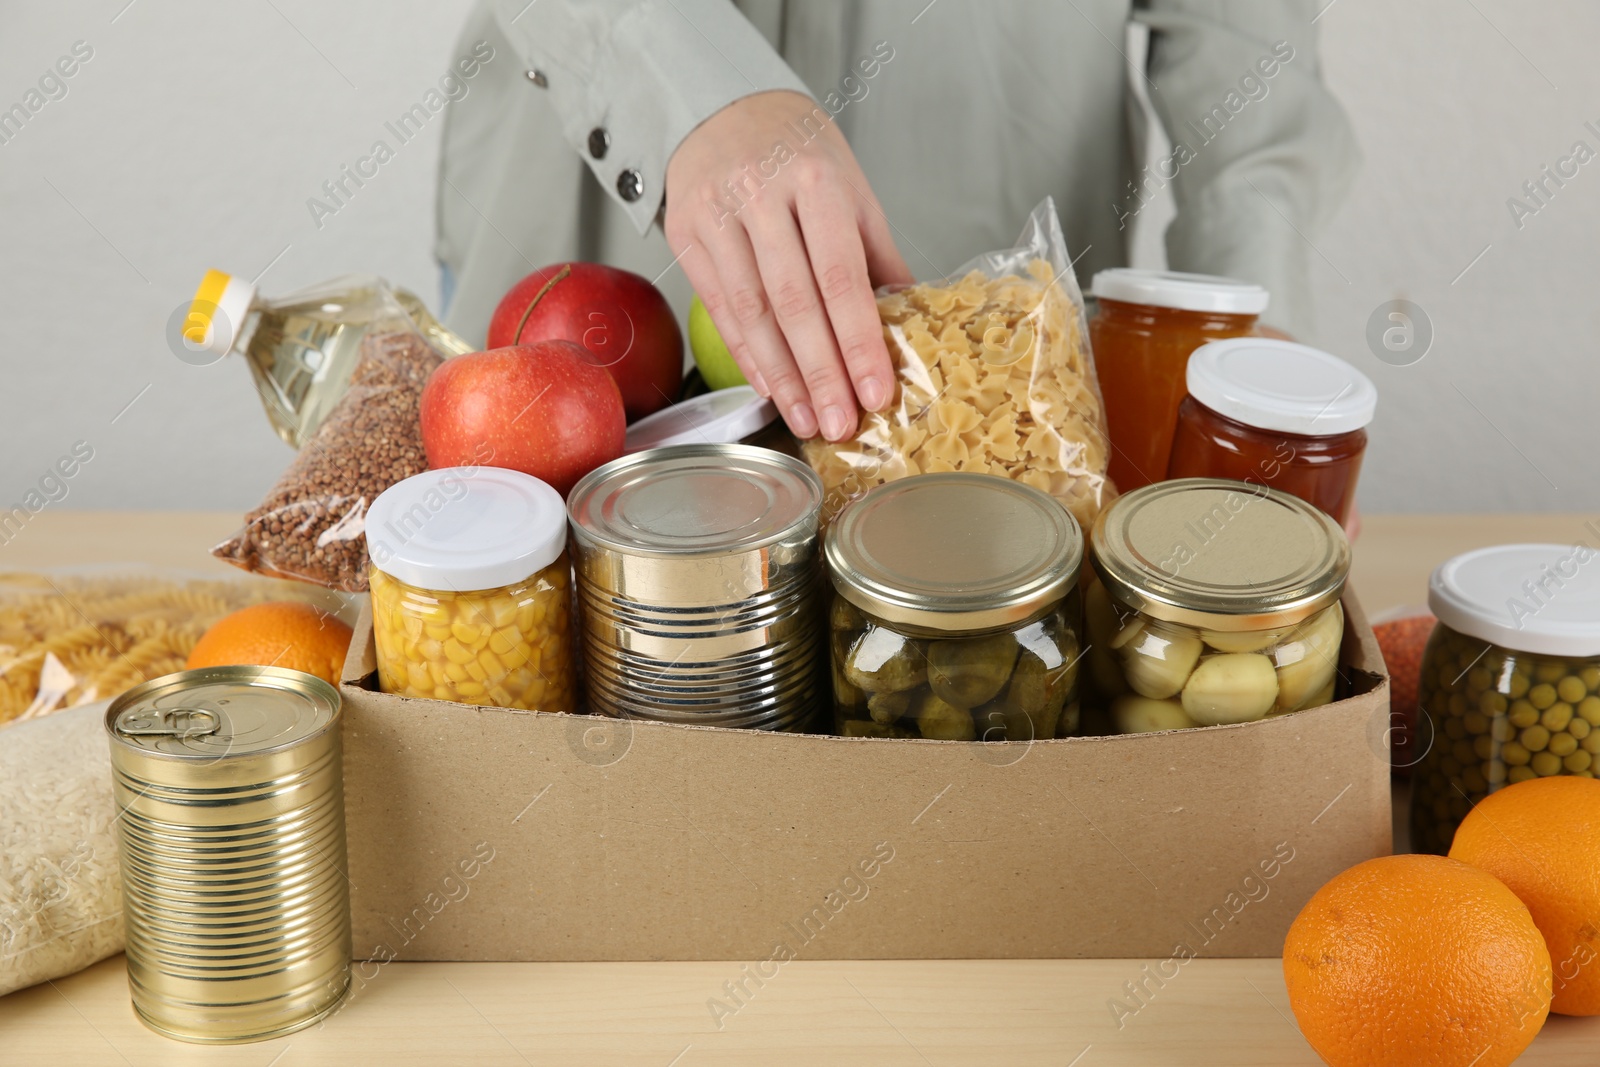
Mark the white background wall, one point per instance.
(196, 132)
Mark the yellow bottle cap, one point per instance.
(217, 311)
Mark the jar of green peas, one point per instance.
(1510, 686)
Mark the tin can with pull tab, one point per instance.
(230, 822)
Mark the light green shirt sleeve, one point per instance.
(1269, 156)
(630, 79)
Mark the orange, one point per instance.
(280, 633)
(1542, 839)
(1417, 960)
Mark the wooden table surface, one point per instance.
(1023, 1012)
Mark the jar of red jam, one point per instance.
(1146, 324)
(1275, 413)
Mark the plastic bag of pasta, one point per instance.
(993, 375)
(70, 637)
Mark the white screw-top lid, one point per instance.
(724, 417)
(1279, 385)
(466, 528)
(1543, 599)
(1181, 291)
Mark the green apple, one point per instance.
(710, 352)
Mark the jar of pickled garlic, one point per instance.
(1510, 686)
(956, 611)
(1146, 324)
(471, 589)
(1275, 413)
(1216, 603)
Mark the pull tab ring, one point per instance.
(181, 723)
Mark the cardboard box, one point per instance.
(485, 834)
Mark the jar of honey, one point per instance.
(1278, 414)
(1146, 325)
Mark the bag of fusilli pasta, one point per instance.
(993, 375)
(74, 637)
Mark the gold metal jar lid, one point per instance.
(953, 552)
(1221, 554)
(215, 713)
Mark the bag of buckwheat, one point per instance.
(311, 526)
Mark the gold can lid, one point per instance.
(695, 500)
(1221, 554)
(218, 712)
(954, 551)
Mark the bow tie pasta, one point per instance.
(992, 376)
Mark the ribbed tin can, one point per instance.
(230, 820)
(699, 587)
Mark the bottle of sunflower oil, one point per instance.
(302, 348)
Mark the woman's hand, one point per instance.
(783, 240)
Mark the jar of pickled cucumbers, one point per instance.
(1217, 602)
(1510, 686)
(471, 589)
(956, 612)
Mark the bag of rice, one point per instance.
(60, 887)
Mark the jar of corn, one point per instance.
(471, 589)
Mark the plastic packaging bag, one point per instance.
(60, 885)
(993, 375)
(312, 525)
(72, 637)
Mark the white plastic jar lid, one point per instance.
(1543, 599)
(723, 417)
(1279, 385)
(1181, 291)
(460, 529)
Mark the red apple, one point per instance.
(621, 318)
(544, 409)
